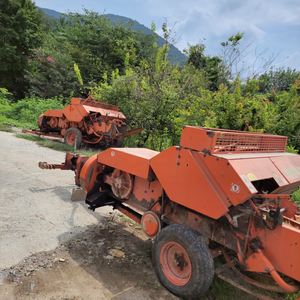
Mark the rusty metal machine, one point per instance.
(85, 120)
(219, 192)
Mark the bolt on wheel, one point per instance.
(175, 263)
(182, 261)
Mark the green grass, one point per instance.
(56, 145)
(294, 296)
(10, 122)
(5, 127)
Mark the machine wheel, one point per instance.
(71, 135)
(182, 261)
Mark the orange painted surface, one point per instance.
(98, 122)
(223, 141)
(236, 188)
(102, 128)
(53, 113)
(150, 224)
(91, 102)
(132, 160)
(146, 192)
(74, 113)
(179, 273)
(189, 182)
(289, 166)
(257, 169)
(282, 247)
(195, 138)
(85, 171)
(105, 112)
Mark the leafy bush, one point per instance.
(25, 112)
(151, 96)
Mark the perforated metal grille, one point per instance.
(238, 142)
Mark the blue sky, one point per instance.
(268, 24)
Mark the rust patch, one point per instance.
(205, 152)
(206, 228)
(210, 134)
(138, 204)
(181, 214)
(258, 222)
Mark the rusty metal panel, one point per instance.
(248, 142)
(289, 166)
(231, 156)
(90, 102)
(132, 160)
(257, 169)
(74, 113)
(196, 138)
(231, 177)
(75, 100)
(144, 194)
(100, 127)
(187, 181)
(54, 113)
(282, 247)
(211, 140)
(105, 112)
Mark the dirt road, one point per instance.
(53, 248)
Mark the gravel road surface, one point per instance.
(54, 249)
(36, 211)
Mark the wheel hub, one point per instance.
(118, 183)
(121, 184)
(151, 224)
(71, 138)
(175, 263)
(179, 260)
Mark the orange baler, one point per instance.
(85, 120)
(220, 191)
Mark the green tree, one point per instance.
(51, 72)
(277, 81)
(99, 47)
(229, 109)
(20, 32)
(286, 116)
(152, 96)
(211, 66)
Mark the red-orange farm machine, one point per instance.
(219, 192)
(85, 120)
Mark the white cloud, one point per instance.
(273, 24)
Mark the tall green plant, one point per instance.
(151, 95)
(20, 32)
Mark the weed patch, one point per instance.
(5, 127)
(55, 145)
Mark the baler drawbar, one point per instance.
(219, 192)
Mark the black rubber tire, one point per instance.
(202, 265)
(78, 136)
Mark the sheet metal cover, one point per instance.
(105, 112)
(132, 160)
(257, 169)
(289, 166)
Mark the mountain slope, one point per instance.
(174, 55)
